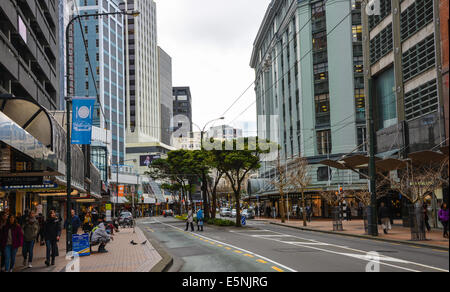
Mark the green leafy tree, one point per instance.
(237, 163)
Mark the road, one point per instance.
(263, 247)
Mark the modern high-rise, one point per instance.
(182, 110)
(403, 57)
(309, 87)
(105, 50)
(143, 118)
(165, 95)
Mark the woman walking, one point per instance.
(30, 232)
(443, 217)
(52, 232)
(190, 220)
(11, 238)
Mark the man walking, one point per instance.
(190, 220)
(76, 222)
(52, 233)
(384, 216)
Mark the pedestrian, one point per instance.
(425, 216)
(87, 223)
(94, 217)
(41, 222)
(30, 232)
(384, 216)
(11, 238)
(3, 222)
(200, 219)
(52, 233)
(100, 236)
(443, 217)
(309, 212)
(76, 222)
(190, 220)
(349, 213)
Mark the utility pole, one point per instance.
(372, 216)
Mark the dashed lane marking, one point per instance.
(277, 269)
(261, 261)
(229, 247)
(248, 255)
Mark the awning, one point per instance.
(29, 115)
(390, 164)
(333, 164)
(425, 157)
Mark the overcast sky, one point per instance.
(210, 42)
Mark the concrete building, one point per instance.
(182, 111)
(192, 142)
(105, 43)
(444, 29)
(224, 132)
(29, 48)
(165, 95)
(311, 99)
(403, 58)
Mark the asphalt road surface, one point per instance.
(263, 247)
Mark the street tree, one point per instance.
(300, 179)
(282, 182)
(237, 163)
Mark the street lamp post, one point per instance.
(68, 99)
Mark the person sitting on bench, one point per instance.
(100, 236)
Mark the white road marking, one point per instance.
(235, 247)
(306, 245)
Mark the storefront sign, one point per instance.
(121, 191)
(25, 183)
(82, 116)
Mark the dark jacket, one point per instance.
(383, 212)
(52, 229)
(30, 229)
(76, 223)
(16, 234)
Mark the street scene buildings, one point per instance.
(352, 134)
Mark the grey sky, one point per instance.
(210, 42)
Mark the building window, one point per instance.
(358, 64)
(357, 33)
(322, 103)
(323, 173)
(324, 142)
(321, 72)
(362, 139)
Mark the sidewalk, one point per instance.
(356, 228)
(122, 256)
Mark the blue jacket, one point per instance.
(200, 214)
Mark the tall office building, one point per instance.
(105, 44)
(143, 105)
(165, 95)
(309, 83)
(403, 57)
(182, 109)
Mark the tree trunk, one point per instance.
(205, 197)
(214, 203)
(238, 207)
(282, 207)
(303, 208)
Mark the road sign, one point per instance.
(244, 221)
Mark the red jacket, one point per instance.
(16, 233)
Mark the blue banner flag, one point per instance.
(82, 115)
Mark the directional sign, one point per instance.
(243, 221)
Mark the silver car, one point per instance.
(248, 213)
(225, 212)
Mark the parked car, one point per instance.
(233, 213)
(168, 213)
(248, 213)
(126, 219)
(225, 212)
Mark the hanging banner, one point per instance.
(82, 115)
